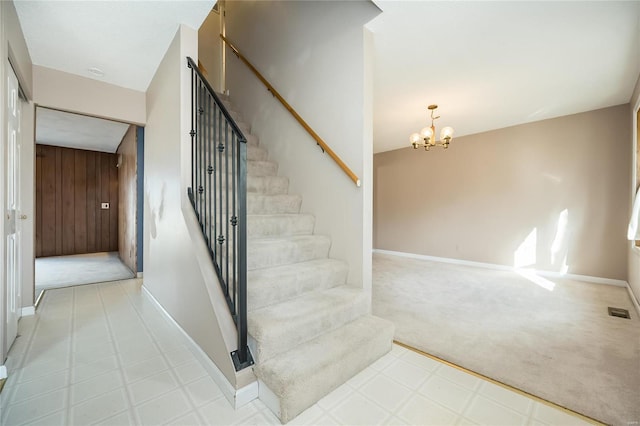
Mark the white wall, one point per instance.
(210, 49)
(73, 93)
(177, 268)
(313, 53)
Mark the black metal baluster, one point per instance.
(234, 217)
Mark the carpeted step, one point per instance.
(273, 204)
(262, 168)
(295, 380)
(268, 184)
(269, 286)
(286, 325)
(268, 252)
(271, 225)
(256, 153)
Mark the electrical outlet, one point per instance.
(105, 206)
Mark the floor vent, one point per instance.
(619, 312)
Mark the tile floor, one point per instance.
(104, 354)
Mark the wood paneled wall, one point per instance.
(128, 190)
(71, 185)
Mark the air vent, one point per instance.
(619, 312)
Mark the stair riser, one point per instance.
(255, 168)
(273, 204)
(280, 225)
(269, 185)
(263, 255)
(286, 337)
(254, 153)
(207, 130)
(268, 289)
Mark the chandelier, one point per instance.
(427, 136)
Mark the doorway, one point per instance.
(86, 198)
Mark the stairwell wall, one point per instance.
(314, 54)
(173, 273)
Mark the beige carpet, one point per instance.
(557, 344)
(65, 271)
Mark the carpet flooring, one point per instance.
(552, 338)
(65, 271)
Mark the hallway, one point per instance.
(104, 354)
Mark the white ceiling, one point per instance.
(490, 65)
(487, 64)
(124, 39)
(78, 131)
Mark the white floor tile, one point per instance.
(189, 372)
(125, 418)
(554, 416)
(333, 398)
(447, 393)
(152, 387)
(220, 412)
(81, 372)
(357, 410)
(45, 384)
(163, 408)
(506, 397)
(457, 376)
(309, 416)
(97, 409)
(485, 411)
(202, 391)
(58, 418)
(407, 374)
(95, 386)
(362, 377)
(32, 409)
(141, 370)
(421, 411)
(385, 392)
(421, 361)
(190, 419)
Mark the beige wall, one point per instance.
(70, 92)
(482, 198)
(313, 53)
(210, 49)
(127, 198)
(175, 257)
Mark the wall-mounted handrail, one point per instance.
(293, 112)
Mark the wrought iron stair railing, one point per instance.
(218, 194)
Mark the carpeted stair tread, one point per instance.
(268, 252)
(273, 203)
(303, 375)
(279, 224)
(268, 184)
(269, 286)
(277, 328)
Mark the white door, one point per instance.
(12, 227)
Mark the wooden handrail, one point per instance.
(289, 108)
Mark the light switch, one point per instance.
(105, 206)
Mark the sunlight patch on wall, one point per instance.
(560, 238)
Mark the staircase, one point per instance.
(309, 331)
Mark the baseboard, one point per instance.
(139, 275)
(546, 274)
(634, 300)
(3, 372)
(236, 397)
(28, 311)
